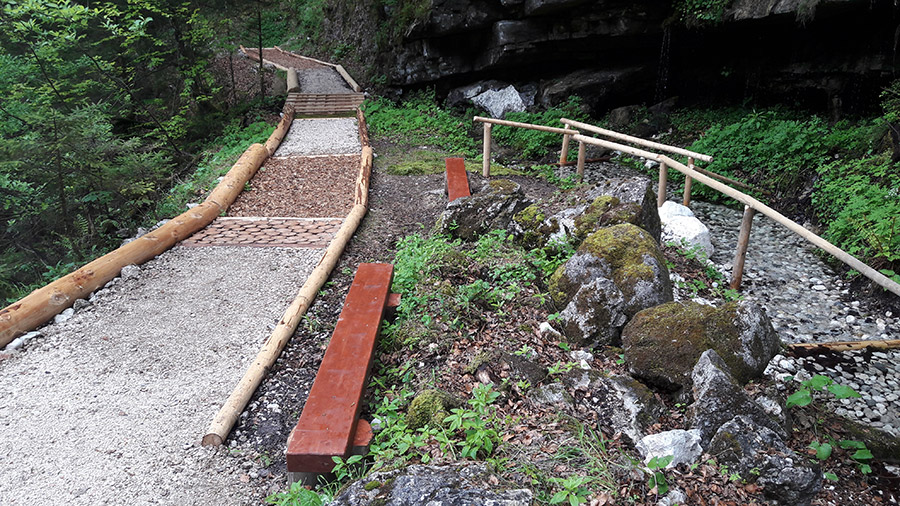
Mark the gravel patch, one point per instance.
(315, 187)
(286, 60)
(326, 136)
(109, 406)
(322, 80)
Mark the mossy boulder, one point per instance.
(616, 272)
(640, 196)
(490, 208)
(662, 344)
(606, 211)
(532, 228)
(430, 407)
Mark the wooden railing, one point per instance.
(691, 172)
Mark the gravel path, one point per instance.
(109, 406)
(325, 136)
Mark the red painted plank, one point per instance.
(328, 423)
(457, 181)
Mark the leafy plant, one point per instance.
(572, 490)
(657, 479)
(804, 395)
(297, 495)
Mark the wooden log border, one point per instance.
(44, 303)
(227, 416)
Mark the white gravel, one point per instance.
(321, 136)
(109, 406)
(322, 80)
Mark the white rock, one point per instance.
(682, 445)
(498, 102)
(130, 272)
(547, 329)
(581, 355)
(15, 344)
(679, 224)
(64, 316)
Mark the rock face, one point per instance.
(491, 208)
(616, 272)
(663, 343)
(718, 399)
(617, 53)
(679, 224)
(758, 454)
(432, 485)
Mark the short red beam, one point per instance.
(457, 180)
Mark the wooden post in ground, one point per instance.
(663, 180)
(293, 82)
(686, 200)
(564, 151)
(486, 164)
(743, 241)
(580, 167)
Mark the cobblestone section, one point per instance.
(267, 232)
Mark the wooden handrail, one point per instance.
(636, 140)
(529, 126)
(879, 278)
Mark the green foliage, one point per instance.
(818, 383)
(701, 12)
(298, 495)
(572, 490)
(419, 120)
(657, 479)
(859, 201)
(476, 426)
(534, 144)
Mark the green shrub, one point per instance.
(419, 120)
(859, 202)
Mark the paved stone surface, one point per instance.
(267, 232)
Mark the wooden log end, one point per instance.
(212, 440)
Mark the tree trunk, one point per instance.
(259, 38)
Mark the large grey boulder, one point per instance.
(759, 454)
(662, 344)
(633, 190)
(616, 272)
(718, 398)
(499, 102)
(490, 208)
(417, 485)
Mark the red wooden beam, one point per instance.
(328, 424)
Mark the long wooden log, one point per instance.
(486, 153)
(636, 140)
(346, 75)
(814, 348)
(44, 303)
(280, 131)
(227, 416)
(740, 255)
(363, 128)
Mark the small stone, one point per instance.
(80, 304)
(819, 288)
(547, 330)
(850, 319)
(64, 316)
(130, 272)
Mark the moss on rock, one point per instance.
(430, 407)
(588, 221)
(662, 344)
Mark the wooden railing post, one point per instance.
(580, 167)
(486, 164)
(663, 179)
(686, 200)
(564, 151)
(743, 241)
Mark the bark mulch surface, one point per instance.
(285, 60)
(301, 187)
